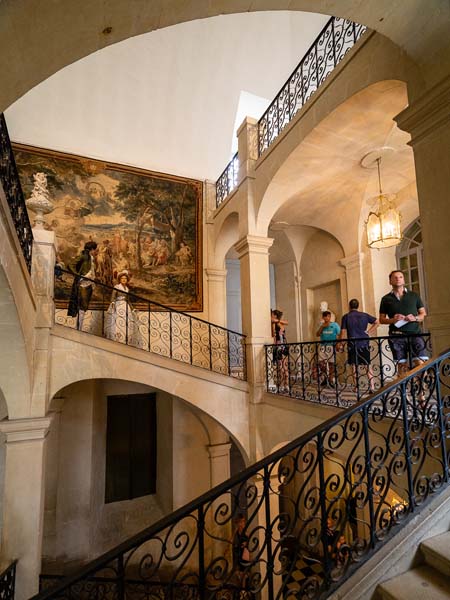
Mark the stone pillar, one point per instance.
(247, 135)
(217, 296)
(42, 276)
(219, 462)
(253, 254)
(23, 505)
(355, 278)
(428, 122)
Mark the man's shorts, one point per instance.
(326, 352)
(401, 344)
(358, 356)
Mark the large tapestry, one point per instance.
(149, 223)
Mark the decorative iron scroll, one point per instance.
(228, 180)
(299, 522)
(8, 582)
(9, 179)
(338, 373)
(331, 45)
(148, 325)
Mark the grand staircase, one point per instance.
(302, 520)
(428, 581)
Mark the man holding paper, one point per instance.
(403, 310)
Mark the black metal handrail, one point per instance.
(148, 325)
(10, 181)
(341, 372)
(228, 180)
(329, 48)
(307, 515)
(8, 582)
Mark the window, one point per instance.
(410, 260)
(130, 447)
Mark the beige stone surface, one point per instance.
(423, 583)
(436, 552)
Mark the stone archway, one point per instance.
(40, 38)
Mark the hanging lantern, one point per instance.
(383, 224)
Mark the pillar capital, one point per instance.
(219, 450)
(253, 244)
(25, 430)
(428, 114)
(352, 262)
(216, 274)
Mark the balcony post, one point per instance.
(247, 135)
(253, 252)
(427, 120)
(42, 276)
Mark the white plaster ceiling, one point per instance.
(322, 183)
(166, 100)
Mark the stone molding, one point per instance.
(219, 450)
(25, 430)
(352, 262)
(427, 114)
(216, 274)
(253, 244)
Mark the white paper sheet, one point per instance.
(401, 323)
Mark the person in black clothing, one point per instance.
(403, 311)
(241, 554)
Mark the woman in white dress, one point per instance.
(120, 321)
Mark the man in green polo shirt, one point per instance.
(403, 311)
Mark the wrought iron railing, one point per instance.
(228, 180)
(329, 48)
(340, 373)
(9, 179)
(300, 521)
(331, 45)
(148, 325)
(8, 582)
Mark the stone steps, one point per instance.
(430, 581)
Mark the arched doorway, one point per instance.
(410, 259)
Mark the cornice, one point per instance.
(23, 430)
(253, 244)
(429, 113)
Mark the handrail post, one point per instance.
(268, 533)
(368, 461)
(201, 552)
(406, 432)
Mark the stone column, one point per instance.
(355, 278)
(217, 296)
(247, 135)
(253, 254)
(428, 122)
(219, 462)
(23, 505)
(42, 275)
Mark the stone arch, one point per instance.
(15, 377)
(62, 33)
(227, 236)
(386, 68)
(222, 398)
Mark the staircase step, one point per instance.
(423, 583)
(436, 552)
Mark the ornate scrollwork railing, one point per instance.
(297, 523)
(329, 48)
(331, 45)
(148, 325)
(339, 373)
(9, 179)
(8, 582)
(228, 180)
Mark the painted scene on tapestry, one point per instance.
(147, 223)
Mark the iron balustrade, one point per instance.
(331, 45)
(8, 582)
(319, 371)
(312, 512)
(329, 48)
(10, 181)
(151, 326)
(228, 180)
